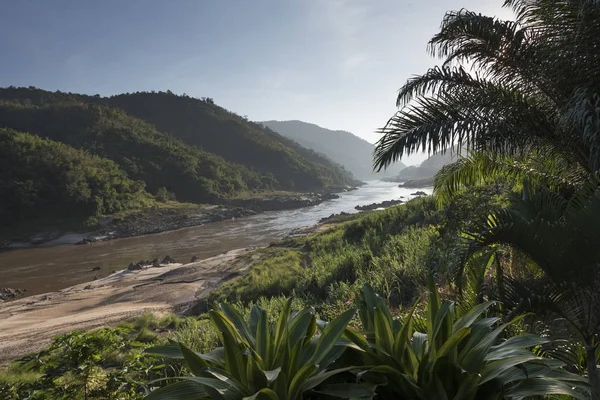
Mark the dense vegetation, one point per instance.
(203, 123)
(237, 154)
(346, 149)
(40, 177)
(136, 146)
(252, 159)
(509, 242)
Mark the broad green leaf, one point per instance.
(193, 360)
(356, 337)
(263, 339)
(238, 322)
(452, 343)
(255, 376)
(299, 379)
(348, 390)
(384, 338)
(433, 305)
(169, 350)
(543, 387)
(272, 374)
(263, 394)
(300, 326)
(467, 319)
(495, 368)
(316, 380)
(181, 390)
(331, 335)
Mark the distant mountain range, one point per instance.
(428, 168)
(345, 148)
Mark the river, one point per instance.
(44, 269)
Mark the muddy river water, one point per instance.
(49, 268)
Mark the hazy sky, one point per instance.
(335, 63)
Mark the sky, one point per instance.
(334, 63)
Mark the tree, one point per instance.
(527, 112)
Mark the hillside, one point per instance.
(344, 148)
(200, 122)
(230, 154)
(428, 168)
(40, 177)
(142, 152)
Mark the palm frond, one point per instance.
(483, 168)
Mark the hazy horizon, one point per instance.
(337, 64)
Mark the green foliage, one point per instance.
(462, 357)
(40, 177)
(394, 250)
(107, 363)
(259, 360)
(204, 124)
(136, 146)
(193, 148)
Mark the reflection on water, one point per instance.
(45, 269)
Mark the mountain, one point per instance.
(428, 168)
(345, 148)
(136, 146)
(41, 177)
(194, 148)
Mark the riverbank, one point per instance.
(29, 324)
(169, 216)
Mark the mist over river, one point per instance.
(45, 269)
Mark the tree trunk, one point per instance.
(593, 370)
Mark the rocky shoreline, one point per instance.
(157, 220)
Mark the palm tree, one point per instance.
(534, 84)
(528, 110)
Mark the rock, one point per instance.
(95, 278)
(11, 294)
(155, 263)
(88, 287)
(87, 240)
(168, 260)
(332, 216)
(135, 267)
(419, 194)
(194, 259)
(96, 269)
(374, 206)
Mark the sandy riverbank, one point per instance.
(29, 324)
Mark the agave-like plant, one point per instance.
(457, 358)
(282, 362)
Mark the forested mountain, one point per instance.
(136, 146)
(193, 147)
(42, 177)
(202, 123)
(345, 148)
(429, 167)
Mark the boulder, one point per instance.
(332, 216)
(135, 267)
(96, 268)
(374, 206)
(194, 259)
(155, 263)
(11, 294)
(419, 193)
(168, 260)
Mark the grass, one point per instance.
(393, 250)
